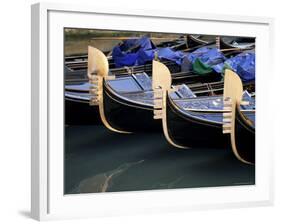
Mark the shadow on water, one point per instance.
(98, 160)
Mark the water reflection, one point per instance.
(97, 160)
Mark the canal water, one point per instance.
(98, 160)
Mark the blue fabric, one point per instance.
(143, 42)
(144, 56)
(243, 64)
(122, 58)
(127, 44)
(208, 56)
(145, 52)
(169, 54)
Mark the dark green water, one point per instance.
(98, 160)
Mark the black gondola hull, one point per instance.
(244, 138)
(188, 131)
(127, 116)
(80, 113)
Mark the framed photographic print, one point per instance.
(148, 111)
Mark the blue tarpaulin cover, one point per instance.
(144, 52)
(204, 59)
(128, 53)
(243, 64)
(171, 55)
(209, 56)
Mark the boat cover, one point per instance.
(127, 53)
(131, 44)
(243, 64)
(171, 55)
(203, 60)
(143, 52)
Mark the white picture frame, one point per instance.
(48, 200)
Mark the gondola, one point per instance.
(126, 104)
(79, 62)
(178, 77)
(77, 103)
(175, 44)
(78, 111)
(75, 89)
(80, 76)
(178, 71)
(188, 122)
(77, 99)
(243, 43)
(194, 40)
(82, 86)
(238, 125)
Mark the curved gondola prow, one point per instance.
(97, 63)
(233, 91)
(98, 69)
(161, 84)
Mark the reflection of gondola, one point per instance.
(193, 122)
(238, 123)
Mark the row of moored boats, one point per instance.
(198, 90)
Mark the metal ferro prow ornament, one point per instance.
(233, 91)
(98, 72)
(161, 84)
